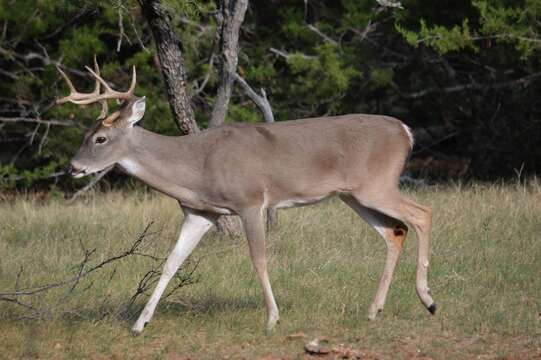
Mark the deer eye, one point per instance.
(101, 139)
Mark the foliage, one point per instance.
(440, 38)
(468, 67)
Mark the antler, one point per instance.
(79, 98)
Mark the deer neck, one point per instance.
(165, 163)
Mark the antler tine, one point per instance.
(75, 96)
(104, 110)
(97, 69)
(73, 91)
(133, 80)
(103, 103)
(99, 79)
(109, 92)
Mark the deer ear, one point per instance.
(137, 111)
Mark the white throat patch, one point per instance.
(129, 166)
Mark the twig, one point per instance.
(288, 55)
(137, 36)
(68, 23)
(121, 29)
(91, 184)
(53, 175)
(322, 35)
(43, 138)
(207, 75)
(260, 100)
(524, 81)
(55, 122)
(82, 273)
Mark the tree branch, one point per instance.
(524, 81)
(322, 35)
(260, 100)
(232, 17)
(91, 184)
(54, 122)
(287, 55)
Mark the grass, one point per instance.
(324, 265)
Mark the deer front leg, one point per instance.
(195, 225)
(252, 221)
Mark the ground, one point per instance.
(324, 266)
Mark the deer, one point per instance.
(244, 169)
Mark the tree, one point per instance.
(168, 47)
(466, 78)
(172, 64)
(229, 22)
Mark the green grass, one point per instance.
(324, 265)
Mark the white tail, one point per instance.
(243, 169)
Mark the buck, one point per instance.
(243, 169)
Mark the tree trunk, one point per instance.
(168, 47)
(264, 106)
(229, 22)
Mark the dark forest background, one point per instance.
(465, 75)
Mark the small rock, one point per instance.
(314, 347)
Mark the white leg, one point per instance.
(195, 225)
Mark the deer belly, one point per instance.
(299, 201)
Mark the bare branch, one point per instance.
(91, 184)
(207, 75)
(523, 81)
(54, 122)
(286, 55)
(45, 310)
(322, 35)
(82, 272)
(390, 4)
(120, 29)
(260, 100)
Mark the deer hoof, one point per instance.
(373, 312)
(137, 329)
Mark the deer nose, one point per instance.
(74, 169)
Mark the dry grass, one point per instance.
(324, 266)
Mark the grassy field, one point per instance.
(324, 265)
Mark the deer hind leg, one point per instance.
(396, 206)
(421, 219)
(252, 221)
(394, 233)
(195, 225)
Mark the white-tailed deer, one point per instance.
(243, 169)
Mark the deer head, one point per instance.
(104, 143)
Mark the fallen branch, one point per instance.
(91, 184)
(135, 246)
(84, 269)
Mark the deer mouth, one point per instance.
(78, 173)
